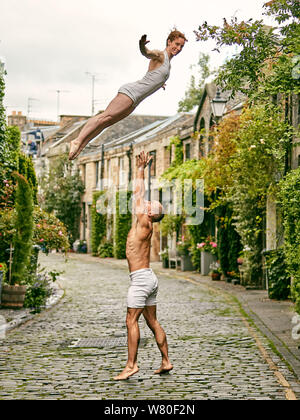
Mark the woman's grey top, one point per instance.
(150, 83)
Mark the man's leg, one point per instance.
(160, 337)
(133, 339)
(119, 108)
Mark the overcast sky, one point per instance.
(49, 45)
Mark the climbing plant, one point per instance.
(98, 223)
(289, 205)
(61, 192)
(123, 220)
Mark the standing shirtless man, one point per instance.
(142, 292)
(131, 94)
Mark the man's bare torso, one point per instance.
(138, 246)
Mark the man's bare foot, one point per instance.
(127, 372)
(165, 367)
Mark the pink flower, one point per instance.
(60, 233)
(201, 245)
(182, 238)
(213, 244)
(41, 240)
(38, 225)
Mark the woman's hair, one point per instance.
(175, 34)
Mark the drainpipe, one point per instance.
(129, 154)
(149, 180)
(102, 167)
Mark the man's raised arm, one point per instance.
(142, 161)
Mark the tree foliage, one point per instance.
(62, 189)
(195, 88)
(265, 62)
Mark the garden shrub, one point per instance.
(106, 249)
(39, 288)
(229, 243)
(22, 240)
(26, 168)
(278, 278)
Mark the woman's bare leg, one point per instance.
(119, 108)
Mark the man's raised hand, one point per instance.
(143, 159)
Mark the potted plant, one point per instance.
(164, 254)
(209, 252)
(215, 270)
(233, 277)
(183, 248)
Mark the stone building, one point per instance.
(109, 162)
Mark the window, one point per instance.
(107, 174)
(97, 167)
(187, 151)
(83, 173)
(121, 171)
(153, 166)
(168, 156)
(108, 177)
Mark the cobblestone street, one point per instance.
(216, 352)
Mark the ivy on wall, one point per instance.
(123, 219)
(98, 224)
(289, 204)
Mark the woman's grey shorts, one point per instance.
(143, 289)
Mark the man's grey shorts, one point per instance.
(143, 289)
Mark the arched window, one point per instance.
(201, 138)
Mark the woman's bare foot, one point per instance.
(127, 372)
(75, 149)
(165, 367)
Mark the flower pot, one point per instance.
(206, 259)
(215, 276)
(186, 263)
(165, 263)
(13, 296)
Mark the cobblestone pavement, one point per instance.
(216, 352)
